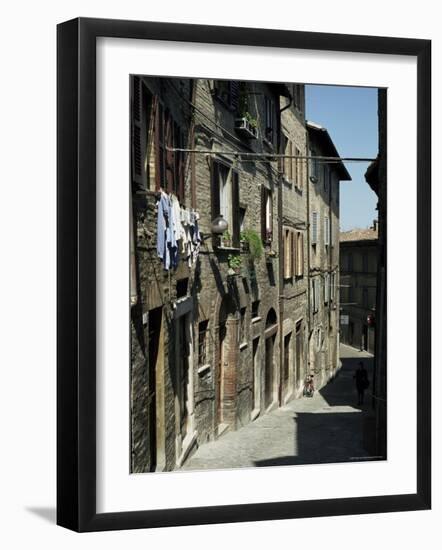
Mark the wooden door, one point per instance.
(268, 391)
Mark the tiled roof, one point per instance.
(369, 234)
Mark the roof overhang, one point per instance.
(320, 135)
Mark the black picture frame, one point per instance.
(76, 274)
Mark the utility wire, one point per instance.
(275, 155)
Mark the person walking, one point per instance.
(362, 382)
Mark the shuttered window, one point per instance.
(141, 106)
(287, 254)
(300, 254)
(314, 228)
(266, 215)
(314, 294)
(299, 168)
(225, 199)
(228, 92)
(169, 164)
(326, 288)
(326, 231)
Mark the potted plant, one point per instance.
(247, 126)
(234, 262)
(226, 239)
(252, 243)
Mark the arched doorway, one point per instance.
(271, 328)
(227, 364)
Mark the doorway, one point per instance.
(269, 367)
(183, 375)
(155, 355)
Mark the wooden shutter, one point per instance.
(301, 255)
(294, 247)
(326, 231)
(139, 137)
(235, 230)
(314, 232)
(234, 94)
(287, 254)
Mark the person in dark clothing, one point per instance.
(362, 382)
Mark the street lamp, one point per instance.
(219, 225)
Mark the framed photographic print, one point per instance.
(236, 278)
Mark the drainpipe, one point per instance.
(280, 257)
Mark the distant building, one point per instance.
(359, 265)
(323, 213)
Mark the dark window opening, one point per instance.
(182, 287)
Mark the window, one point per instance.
(255, 309)
(202, 342)
(242, 217)
(314, 228)
(326, 231)
(299, 168)
(269, 119)
(333, 287)
(287, 167)
(227, 91)
(182, 287)
(288, 253)
(315, 293)
(266, 215)
(292, 165)
(326, 288)
(169, 164)
(299, 272)
(293, 247)
(225, 197)
(350, 261)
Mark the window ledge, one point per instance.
(243, 346)
(229, 248)
(256, 320)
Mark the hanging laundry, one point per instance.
(167, 248)
(177, 225)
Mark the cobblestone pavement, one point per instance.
(328, 427)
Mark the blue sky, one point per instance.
(350, 116)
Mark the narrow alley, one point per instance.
(329, 427)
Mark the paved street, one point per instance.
(329, 427)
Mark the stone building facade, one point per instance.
(323, 205)
(359, 266)
(220, 336)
